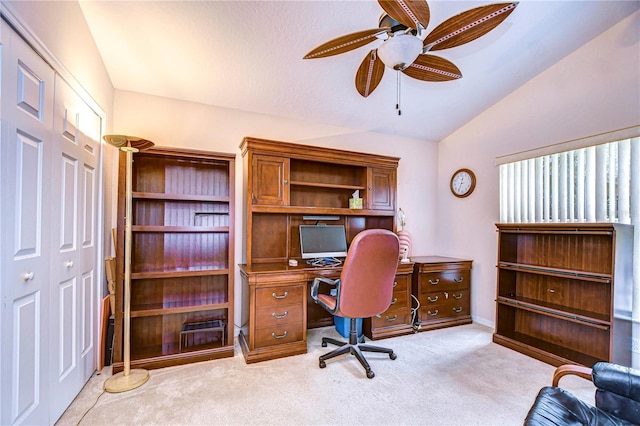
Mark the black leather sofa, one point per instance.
(617, 398)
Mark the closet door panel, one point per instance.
(74, 256)
(26, 105)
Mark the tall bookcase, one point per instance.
(564, 291)
(182, 258)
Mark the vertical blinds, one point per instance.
(599, 183)
(594, 184)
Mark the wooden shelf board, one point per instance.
(157, 309)
(179, 229)
(556, 272)
(178, 273)
(179, 197)
(590, 319)
(321, 211)
(326, 185)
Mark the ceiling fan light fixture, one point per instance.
(399, 51)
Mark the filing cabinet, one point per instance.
(442, 287)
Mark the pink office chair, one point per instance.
(364, 289)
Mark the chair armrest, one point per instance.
(316, 284)
(569, 369)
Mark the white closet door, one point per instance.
(73, 246)
(26, 207)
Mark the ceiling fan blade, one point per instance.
(467, 26)
(346, 43)
(432, 68)
(369, 74)
(408, 12)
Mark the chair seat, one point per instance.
(555, 406)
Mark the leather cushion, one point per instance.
(618, 390)
(555, 406)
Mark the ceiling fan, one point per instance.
(406, 44)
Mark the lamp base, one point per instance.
(121, 383)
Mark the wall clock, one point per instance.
(463, 182)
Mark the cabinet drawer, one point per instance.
(399, 301)
(279, 296)
(388, 319)
(444, 304)
(438, 298)
(441, 281)
(401, 283)
(276, 316)
(279, 334)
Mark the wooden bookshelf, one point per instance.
(182, 258)
(560, 291)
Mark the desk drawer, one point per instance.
(278, 315)
(279, 296)
(278, 335)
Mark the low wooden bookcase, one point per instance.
(562, 291)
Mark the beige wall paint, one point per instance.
(594, 90)
(169, 122)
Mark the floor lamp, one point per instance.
(127, 379)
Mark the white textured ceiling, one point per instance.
(247, 55)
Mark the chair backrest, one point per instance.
(368, 273)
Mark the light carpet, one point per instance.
(451, 376)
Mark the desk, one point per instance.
(277, 309)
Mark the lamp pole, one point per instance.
(127, 379)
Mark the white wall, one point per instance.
(594, 90)
(169, 122)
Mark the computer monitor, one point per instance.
(322, 241)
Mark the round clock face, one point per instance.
(463, 183)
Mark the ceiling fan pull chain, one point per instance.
(398, 93)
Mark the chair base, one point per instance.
(354, 348)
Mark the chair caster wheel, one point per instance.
(323, 364)
(324, 344)
(371, 374)
(392, 355)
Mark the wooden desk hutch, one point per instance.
(288, 185)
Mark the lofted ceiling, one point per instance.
(247, 55)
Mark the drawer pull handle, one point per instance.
(434, 282)
(286, 293)
(433, 314)
(393, 302)
(282, 336)
(395, 317)
(459, 296)
(280, 316)
(458, 280)
(457, 310)
(395, 283)
(435, 299)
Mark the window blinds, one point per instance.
(595, 184)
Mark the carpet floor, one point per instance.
(451, 376)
